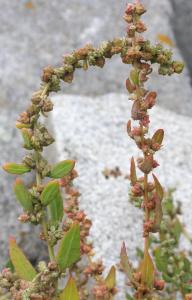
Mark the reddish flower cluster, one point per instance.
(74, 214)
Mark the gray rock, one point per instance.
(181, 24)
(33, 38)
(26, 235)
(174, 92)
(93, 132)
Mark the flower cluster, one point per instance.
(146, 187)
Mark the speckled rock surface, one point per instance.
(93, 131)
(33, 38)
(181, 24)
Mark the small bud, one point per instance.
(87, 224)
(47, 105)
(155, 146)
(136, 112)
(24, 118)
(130, 87)
(68, 77)
(131, 30)
(140, 27)
(145, 121)
(148, 226)
(150, 99)
(178, 67)
(128, 18)
(155, 164)
(129, 9)
(159, 284)
(137, 190)
(80, 216)
(42, 266)
(140, 9)
(136, 131)
(36, 97)
(52, 266)
(100, 62)
(86, 249)
(145, 164)
(47, 74)
(24, 218)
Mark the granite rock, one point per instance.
(181, 24)
(36, 37)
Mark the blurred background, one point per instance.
(37, 33)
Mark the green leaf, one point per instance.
(167, 278)
(69, 249)
(147, 270)
(10, 266)
(140, 253)
(161, 261)
(177, 229)
(62, 169)
(110, 280)
(128, 297)
(22, 266)
(50, 193)
(14, 168)
(134, 75)
(23, 195)
(158, 216)
(125, 263)
(158, 188)
(56, 208)
(133, 175)
(26, 138)
(70, 291)
(187, 288)
(158, 136)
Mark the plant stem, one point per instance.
(50, 248)
(44, 223)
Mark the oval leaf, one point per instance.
(23, 195)
(133, 175)
(125, 264)
(70, 292)
(110, 280)
(26, 138)
(134, 75)
(22, 266)
(22, 125)
(158, 136)
(161, 260)
(130, 87)
(14, 168)
(158, 188)
(50, 193)
(56, 208)
(69, 249)
(147, 270)
(62, 169)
